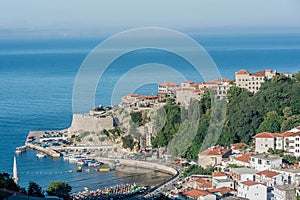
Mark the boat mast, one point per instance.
(15, 172)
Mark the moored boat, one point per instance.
(20, 150)
(40, 155)
(79, 168)
(106, 169)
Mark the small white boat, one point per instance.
(40, 155)
(20, 150)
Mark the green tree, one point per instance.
(287, 112)
(59, 189)
(128, 142)
(137, 118)
(35, 190)
(272, 123)
(7, 183)
(290, 123)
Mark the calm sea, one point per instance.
(36, 83)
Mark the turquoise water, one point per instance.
(37, 77)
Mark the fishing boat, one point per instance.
(79, 168)
(40, 155)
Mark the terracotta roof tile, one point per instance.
(268, 173)
(267, 135)
(242, 72)
(244, 158)
(222, 190)
(134, 95)
(218, 150)
(250, 183)
(216, 174)
(195, 193)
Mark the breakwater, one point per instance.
(46, 150)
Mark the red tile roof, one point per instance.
(239, 145)
(218, 150)
(134, 95)
(195, 193)
(244, 158)
(260, 73)
(168, 84)
(242, 72)
(217, 174)
(250, 183)
(267, 135)
(268, 173)
(222, 190)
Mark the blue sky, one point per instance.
(71, 18)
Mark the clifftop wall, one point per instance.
(91, 123)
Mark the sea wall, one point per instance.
(47, 151)
(143, 164)
(149, 165)
(92, 123)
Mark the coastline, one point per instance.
(57, 152)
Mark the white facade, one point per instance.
(253, 191)
(284, 192)
(270, 178)
(252, 82)
(243, 174)
(262, 162)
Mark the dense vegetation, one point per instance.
(128, 142)
(275, 108)
(8, 188)
(195, 169)
(59, 189)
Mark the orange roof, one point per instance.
(226, 80)
(244, 158)
(268, 173)
(250, 183)
(168, 84)
(216, 174)
(242, 72)
(240, 145)
(195, 193)
(194, 84)
(267, 135)
(218, 150)
(134, 95)
(222, 190)
(150, 97)
(175, 88)
(260, 73)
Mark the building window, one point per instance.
(259, 161)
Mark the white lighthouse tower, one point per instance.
(15, 172)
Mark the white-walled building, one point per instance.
(242, 160)
(270, 178)
(263, 162)
(213, 156)
(220, 180)
(289, 175)
(243, 174)
(288, 141)
(292, 141)
(253, 190)
(284, 192)
(266, 140)
(252, 82)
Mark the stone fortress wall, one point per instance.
(91, 123)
